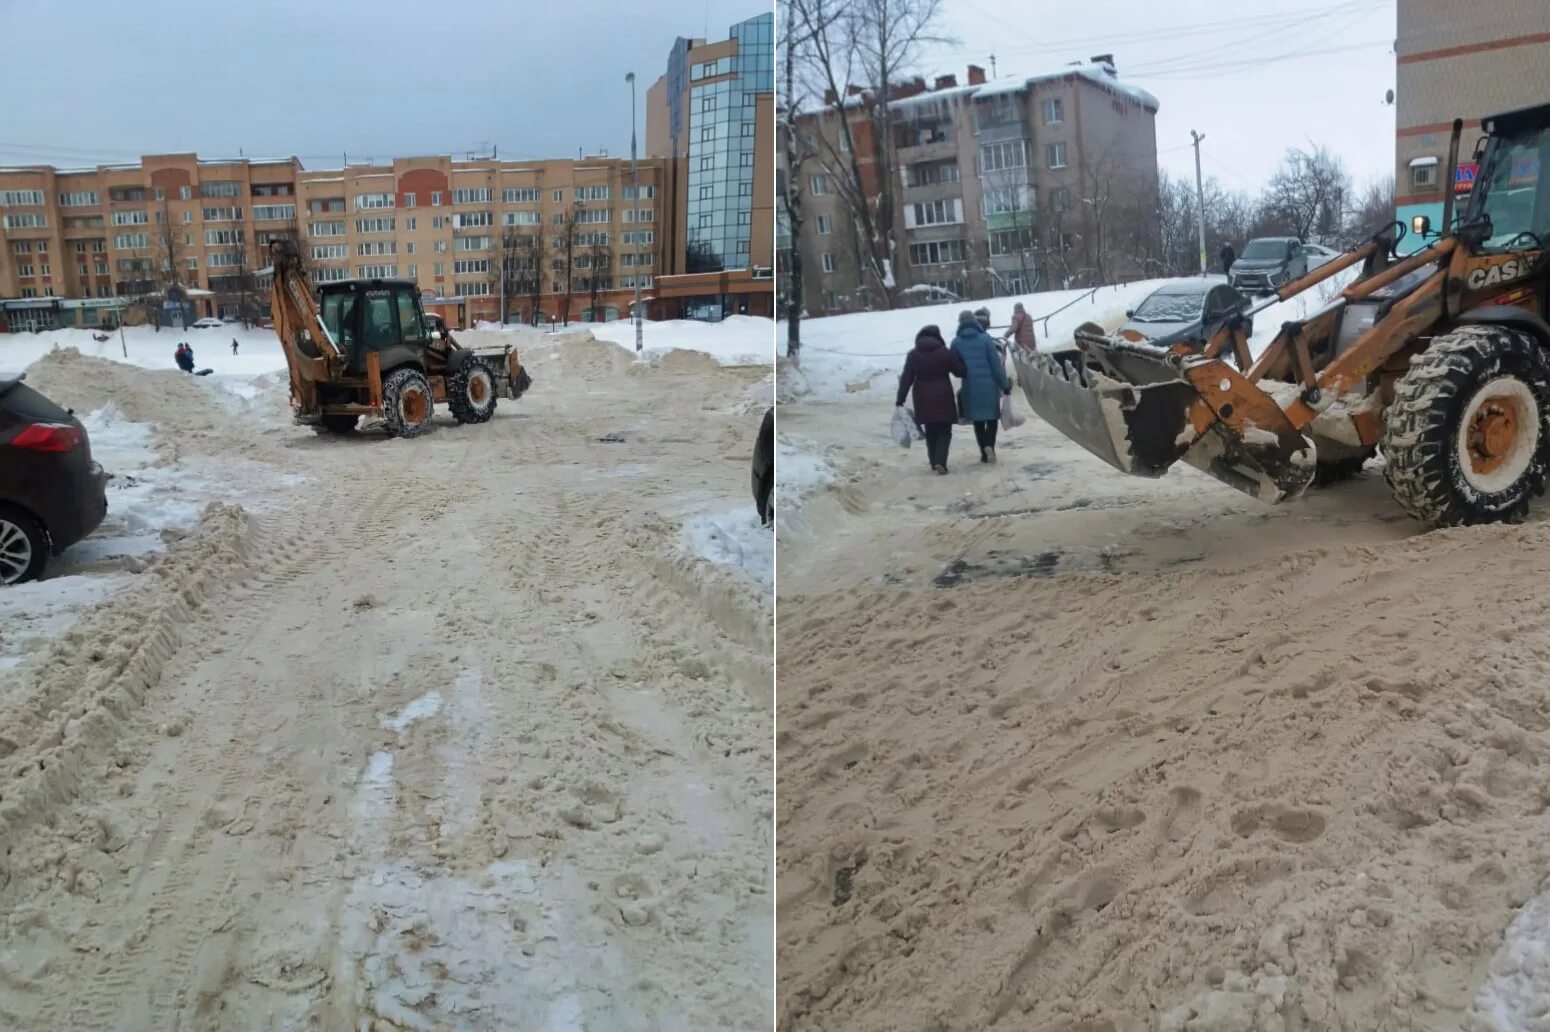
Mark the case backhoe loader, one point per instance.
(365, 348)
(1441, 359)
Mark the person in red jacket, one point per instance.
(926, 376)
(1021, 329)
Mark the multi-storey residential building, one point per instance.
(1459, 61)
(1001, 187)
(202, 228)
(712, 119)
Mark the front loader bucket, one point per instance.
(1141, 409)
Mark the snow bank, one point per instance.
(734, 538)
(800, 470)
(258, 350)
(850, 354)
(736, 340)
(1516, 993)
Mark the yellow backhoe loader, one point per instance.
(365, 348)
(1440, 359)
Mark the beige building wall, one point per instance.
(1460, 61)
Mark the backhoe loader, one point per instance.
(365, 348)
(1440, 359)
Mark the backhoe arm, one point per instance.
(311, 353)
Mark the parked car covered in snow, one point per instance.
(1318, 254)
(51, 492)
(1268, 262)
(208, 324)
(1186, 309)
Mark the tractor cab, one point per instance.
(376, 315)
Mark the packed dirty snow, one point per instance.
(734, 539)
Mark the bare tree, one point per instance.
(797, 41)
(1305, 195)
(597, 259)
(1374, 210)
(1010, 212)
(509, 268)
(532, 272)
(565, 259)
(167, 247)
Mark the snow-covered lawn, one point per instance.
(736, 340)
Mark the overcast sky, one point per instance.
(106, 81)
(1255, 78)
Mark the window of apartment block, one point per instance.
(472, 220)
(592, 193)
(438, 222)
(409, 223)
(519, 195)
(28, 221)
(828, 262)
(408, 200)
(274, 212)
(818, 185)
(1056, 155)
(522, 218)
(707, 163)
(185, 193)
(43, 247)
(223, 260)
(375, 225)
(1000, 109)
(375, 248)
(1060, 199)
(335, 228)
(373, 200)
(79, 199)
(435, 198)
(473, 243)
(24, 271)
(191, 263)
(936, 252)
(439, 268)
(161, 195)
(745, 189)
(22, 247)
(221, 237)
(21, 198)
(1054, 111)
(934, 213)
(101, 268)
(747, 128)
(223, 214)
(746, 159)
(131, 241)
(1423, 172)
(441, 247)
(471, 195)
(745, 218)
(221, 189)
(707, 133)
(409, 247)
(470, 265)
(329, 252)
(824, 224)
(1008, 241)
(1009, 154)
(322, 275)
(559, 195)
(99, 245)
(188, 218)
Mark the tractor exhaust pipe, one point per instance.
(1451, 172)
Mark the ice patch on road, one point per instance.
(425, 706)
(735, 539)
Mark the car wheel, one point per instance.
(23, 546)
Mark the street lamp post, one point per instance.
(635, 189)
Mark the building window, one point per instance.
(934, 213)
(376, 271)
(522, 218)
(818, 186)
(441, 247)
(22, 247)
(222, 237)
(745, 218)
(21, 198)
(438, 222)
(129, 218)
(373, 200)
(408, 200)
(410, 247)
(185, 193)
(223, 214)
(28, 221)
(470, 265)
(519, 195)
(375, 248)
(1056, 153)
(708, 103)
(645, 193)
(80, 199)
(327, 275)
(226, 188)
(101, 268)
(473, 243)
(997, 156)
(1007, 200)
(707, 163)
(131, 241)
(592, 193)
(639, 236)
(745, 189)
(1054, 112)
(375, 225)
(188, 218)
(435, 198)
(1008, 241)
(707, 133)
(823, 225)
(223, 260)
(747, 128)
(471, 195)
(747, 160)
(1423, 172)
(1060, 199)
(24, 271)
(330, 252)
(414, 272)
(409, 223)
(936, 252)
(559, 196)
(707, 193)
(29, 292)
(274, 212)
(472, 220)
(828, 262)
(335, 228)
(439, 267)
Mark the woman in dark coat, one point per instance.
(984, 381)
(926, 372)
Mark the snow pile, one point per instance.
(736, 539)
(736, 340)
(857, 353)
(258, 351)
(31, 615)
(1516, 993)
(800, 470)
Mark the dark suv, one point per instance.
(51, 492)
(1267, 264)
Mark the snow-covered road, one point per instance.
(448, 733)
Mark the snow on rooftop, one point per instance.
(1017, 84)
(1422, 162)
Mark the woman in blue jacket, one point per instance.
(984, 382)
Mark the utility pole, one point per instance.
(1200, 198)
(992, 67)
(635, 188)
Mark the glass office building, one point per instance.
(719, 122)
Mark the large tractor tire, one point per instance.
(407, 402)
(471, 391)
(1467, 438)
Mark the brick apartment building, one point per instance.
(1002, 187)
(699, 238)
(1459, 61)
(126, 231)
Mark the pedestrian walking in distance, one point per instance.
(1228, 256)
(926, 377)
(234, 345)
(984, 381)
(1021, 329)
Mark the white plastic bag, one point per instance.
(904, 430)
(1010, 417)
